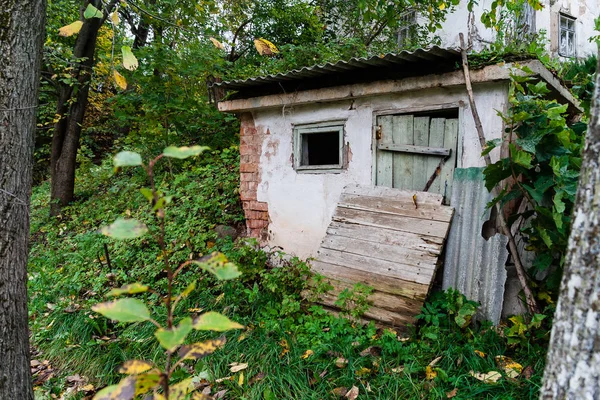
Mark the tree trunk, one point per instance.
(21, 39)
(72, 102)
(573, 363)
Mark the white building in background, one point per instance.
(567, 24)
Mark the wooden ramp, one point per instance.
(380, 238)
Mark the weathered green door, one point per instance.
(410, 148)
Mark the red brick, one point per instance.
(257, 224)
(248, 149)
(247, 196)
(245, 158)
(248, 167)
(258, 215)
(252, 186)
(248, 177)
(258, 206)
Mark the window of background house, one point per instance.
(566, 39)
(319, 147)
(407, 28)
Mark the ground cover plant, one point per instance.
(290, 348)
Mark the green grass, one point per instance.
(67, 278)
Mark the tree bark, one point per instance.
(21, 39)
(71, 105)
(573, 362)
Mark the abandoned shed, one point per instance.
(338, 163)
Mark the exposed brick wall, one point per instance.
(257, 212)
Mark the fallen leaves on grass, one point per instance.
(490, 377)
(480, 353)
(511, 368)
(341, 362)
(307, 354)
(352, 393)
(452, 393)
(237, 367)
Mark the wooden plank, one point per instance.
(384, 159)
(421, 138)
(381, 235)
(382, 283)
(405, 148)
(378, 314)
(390, 206)
(393, 222)
(390, 269)
(436, 138)
(391, 193)
(405, 259)
(447, 173)
(402, 163)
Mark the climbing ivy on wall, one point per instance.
(539, 175)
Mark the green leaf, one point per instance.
(218, 265)
(106, 393)
(546, 237)
(124, 229)
(147, 193)
(124, 310)
(183, 152)
(127, 159)
(201, 349)
(189, 289)
(558, 202)
(496, 173)
(213, 321)
(520, 157)
(169, 339)
(92, 12)
(146, 382)
(536, 195)
(132, 288)
(129, 60)
(490, 145)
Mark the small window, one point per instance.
(407, 30)
(566, 40)
(319, 147)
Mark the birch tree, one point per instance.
(21, 38)
(573, 363)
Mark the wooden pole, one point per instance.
(512, 245)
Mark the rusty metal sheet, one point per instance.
(473, 265)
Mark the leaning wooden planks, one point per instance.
(379, 237)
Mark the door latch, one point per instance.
(378, 132)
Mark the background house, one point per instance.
(566, 25)
(385, 121)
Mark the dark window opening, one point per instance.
(322, 148)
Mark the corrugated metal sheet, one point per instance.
(435, 56)
(474, 266)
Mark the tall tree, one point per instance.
(21, 38)
(71, 106)
(573, 363)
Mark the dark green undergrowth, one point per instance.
(294, 350)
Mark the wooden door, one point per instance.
(410, 148)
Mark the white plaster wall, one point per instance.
(585, 11)
(301, 204)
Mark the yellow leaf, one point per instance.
(237, 367)
(264, 47)
(201, 349)
(70, 29)
(129, 60)
(114, 17)
(442, 6)
(146, 382)
(480, 353)
(134, 367)
(120, 80)
(286, 347)
(363, 371)
(430, 373)
(88, 388)
(490, 377)
(307, 354)
(511, 368)
(241, 378)
(181, 389)
(217, 44)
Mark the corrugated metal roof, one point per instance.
(435, 56)
(474, 266)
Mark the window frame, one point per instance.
(567, 17)
(407, 26)
(321, 127)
